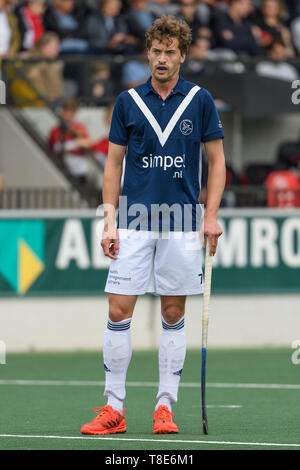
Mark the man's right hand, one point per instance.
(110, 242)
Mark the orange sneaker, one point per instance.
(163, 421)
(108, 421)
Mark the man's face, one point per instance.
(165, 59)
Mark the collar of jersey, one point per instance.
(179, 87)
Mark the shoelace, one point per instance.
(110, 420)
(164, 414)
(102, 410)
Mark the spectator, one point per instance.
(135, 73)
(283, 184)
(188, 13)
(278, 68)
(272, 26)
(11, 5)
(108, 30)
(70, 142)
(233, 30)
(30, 22)
(283, 188)
(100, 86)
(68, 22)
(100, 148)
(9, 33)
(200, 51)
(42, 80)
(47, 77)
(139, 19)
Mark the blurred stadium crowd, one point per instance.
(44, 44)
(224, 29)
(112, 26)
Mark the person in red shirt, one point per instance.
(283, 188)
(71, 143)
(30, 22)
(100, 148)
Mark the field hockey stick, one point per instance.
(205, 319)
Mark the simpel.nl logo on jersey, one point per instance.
(165, 162)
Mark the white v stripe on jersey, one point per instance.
(163, 136)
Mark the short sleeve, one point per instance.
(211, 123)
(118, 130)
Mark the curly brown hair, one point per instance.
(168, 27)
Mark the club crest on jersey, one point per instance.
(186, 127)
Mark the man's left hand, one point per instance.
(212, 230)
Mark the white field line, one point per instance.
(90, 383)
(179, 441)
(232, 407)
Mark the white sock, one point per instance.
(172, 351)
(117, 352)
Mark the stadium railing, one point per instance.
(44, 198)
(79, 68)
(56, 198)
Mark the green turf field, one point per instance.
(59, 392)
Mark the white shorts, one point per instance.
(163, 264)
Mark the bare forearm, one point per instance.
(111, 184)
(112, 174)
(215, 187)
(216, 177)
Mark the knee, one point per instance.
(172, 314)
(118, 313)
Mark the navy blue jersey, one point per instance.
(163, 157)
